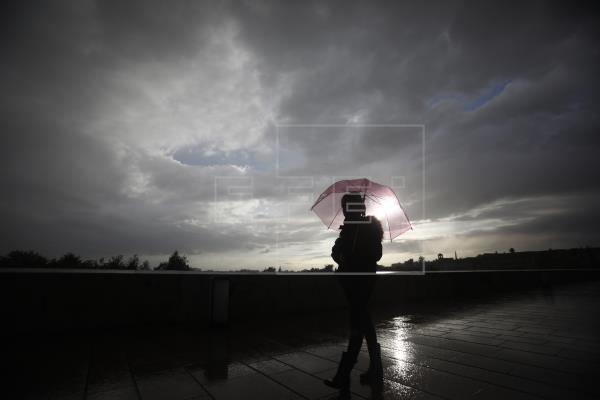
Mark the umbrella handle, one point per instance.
(364, 195)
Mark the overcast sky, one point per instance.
(149, 126)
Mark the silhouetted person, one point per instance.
(357, 249)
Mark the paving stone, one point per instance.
(270, 366)
(397, 391)
(534, 348)
(494, 331)
(356, 387)
(557, 378)
(492, 341)
(523, 339)
(457, 345)
(433, 381)
(109, 378)
(536, 330)
(488, 363)
(504, 380)
(307, 385)
(331, 352)
(50, 395)
(254, 386)
(305, 361)
(169, 385)
(541, 360)
(496, 325)
(123, 393)
(498, 393)
(580, 355)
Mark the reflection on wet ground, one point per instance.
(538, 344)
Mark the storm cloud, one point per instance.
(210, 127)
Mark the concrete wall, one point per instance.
(44, 300)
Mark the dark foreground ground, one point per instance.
(543, 343)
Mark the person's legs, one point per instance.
(354, 290)
(367, 328)
(356, 314)
(374, 375)
(363, 295)
(341, 380)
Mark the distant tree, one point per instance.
(145, 266)
(115, 262)
(162, 266)
(69, 261)
(269, 269)
(440, 256)
(176, 262)
(421, 259)
(280, 268)
(511, 251)
(25, 259)
(133, 263)
(89, 264)
(328, 268)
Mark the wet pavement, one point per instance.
(527, 345)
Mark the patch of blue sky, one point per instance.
(290, 159)
(242, 158)
(442, 98)
(486, 95)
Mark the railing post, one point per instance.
(219, 301)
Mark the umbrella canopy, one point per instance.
(380, 200)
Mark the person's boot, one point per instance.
(374, 374)
(341, 380)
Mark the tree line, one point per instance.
(578, 257)
(32, 259)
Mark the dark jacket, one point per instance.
(358, 248)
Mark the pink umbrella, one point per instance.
(380, 200)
